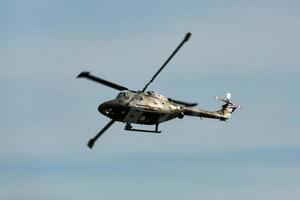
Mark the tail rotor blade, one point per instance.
(228, 95)
(92, 141)
(221, 99)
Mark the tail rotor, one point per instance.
(228, 108)
(227, 100)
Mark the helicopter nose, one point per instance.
(103, 108)
(112, 110)
(107, 109)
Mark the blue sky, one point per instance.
(248, 48)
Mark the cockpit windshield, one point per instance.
(124, 95)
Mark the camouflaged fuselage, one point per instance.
(150, 108)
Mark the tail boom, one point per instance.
(223, 114)
(205, 114)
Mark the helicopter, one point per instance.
(150, 108)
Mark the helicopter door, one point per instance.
(133, 115)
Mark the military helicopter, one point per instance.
(150, 108)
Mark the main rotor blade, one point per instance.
(102, 81)
(183, 103)
(186, 38)
(93, 140)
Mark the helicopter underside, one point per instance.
(136, 115)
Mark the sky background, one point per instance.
(248, 48)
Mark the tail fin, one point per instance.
(228, 108)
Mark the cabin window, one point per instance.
(138, 97)
(123, 95)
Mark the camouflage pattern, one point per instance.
(152, 108)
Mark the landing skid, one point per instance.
(128, 127)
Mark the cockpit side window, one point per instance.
(123, 95)
(120, 95)
(138, 97)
